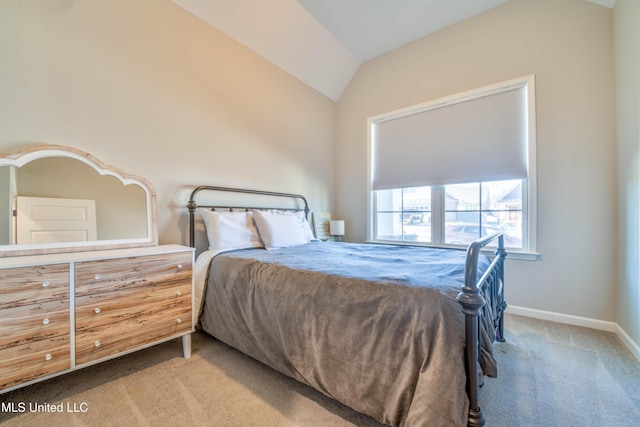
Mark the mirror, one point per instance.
(60, 199)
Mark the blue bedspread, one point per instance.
(405, 265)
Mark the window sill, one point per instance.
(524, 256)
(511, 253)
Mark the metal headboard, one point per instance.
(192, 205)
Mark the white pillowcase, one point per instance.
(306, 228)
(279, 230)
(231, 230)
(302, 221)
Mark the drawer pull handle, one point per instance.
(179, 293)
(48, 357)
(178, 320)
(96, 344)
(179, 266)
(45, 284)
(45, 321)
(98, 277)
(97, 310)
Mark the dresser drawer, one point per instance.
(142, 328)
(109, 307)
(33, 322)
(126, 273)
(33, 285)
(33, 360)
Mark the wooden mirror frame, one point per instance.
(27, 155)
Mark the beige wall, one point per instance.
(627, 60)
(147, 87)
(568, 45)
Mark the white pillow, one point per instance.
(279, 231)
(306, 228)
(302, 221)
(231, 230)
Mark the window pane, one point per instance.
(418, 227)
(389, 226)
(462, 197)
(504, 211)
(461, 228)
(416, 210)
(416, 198)
(462, 213)
(512, 229)
(389, 200)
(389, 215)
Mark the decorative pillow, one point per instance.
(231, 230)
(278, 230)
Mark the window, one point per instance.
(448, 172)
(468, 212)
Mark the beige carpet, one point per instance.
(550, 375)
(218, 386)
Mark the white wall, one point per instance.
(568, 45)
(147, 87)
(627, 60)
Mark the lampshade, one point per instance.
(336, 227)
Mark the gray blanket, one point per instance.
(375, 327)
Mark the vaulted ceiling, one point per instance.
(323, 42)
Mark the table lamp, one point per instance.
(336, 230)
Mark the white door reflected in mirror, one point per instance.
(55, 220)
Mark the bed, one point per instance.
(401, 333)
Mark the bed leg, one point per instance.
(500, 334)
(472, 301)
(502, 305)
(475, 417)
(475, 413)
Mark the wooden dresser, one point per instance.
(61, 312)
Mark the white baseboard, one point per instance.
(633, 347)
(586, 322)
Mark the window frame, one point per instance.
(529, 184)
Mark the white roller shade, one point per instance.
(467, 138)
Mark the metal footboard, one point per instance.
(487, 293)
